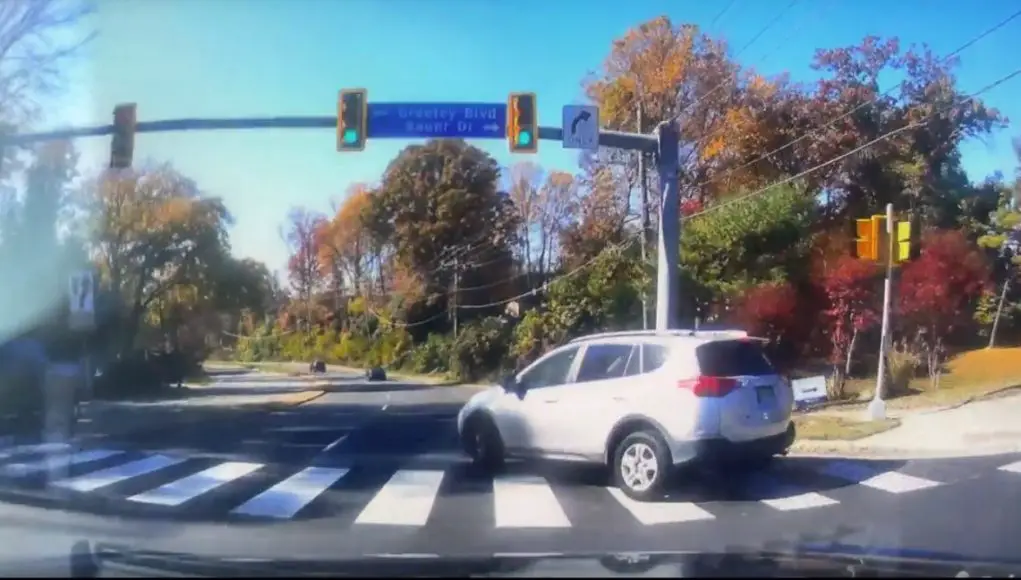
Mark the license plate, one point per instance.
(765, 396)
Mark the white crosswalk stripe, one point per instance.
(286, 498)
(405, 500)
(182, 490)
(526, 501)
(862, 474)
(408, 496)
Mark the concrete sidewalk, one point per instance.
(985, 427)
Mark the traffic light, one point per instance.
(871, 239)
(866, 243)
(122, 145)
(522, 123)
(352, 112)
(907, 241)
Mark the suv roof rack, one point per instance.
(684, 332)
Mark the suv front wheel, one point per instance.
(641, 464)
(481, 441)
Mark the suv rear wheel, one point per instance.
(640, 465)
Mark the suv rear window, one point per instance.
(730, 358)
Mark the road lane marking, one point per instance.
(653, 513)
(779, 495)
(526, 501)
(118, 473)
(177, 492)
(48, 463)
(288, 497)
(337, 442)
(33, 449)
(890, 481)
(1012, 467)
(406, 500)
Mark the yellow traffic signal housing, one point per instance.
(871, 239)
(866, 243)
(522, 123)
(907, 241)
(122, 143)
(352, 119)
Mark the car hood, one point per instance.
(91, 561)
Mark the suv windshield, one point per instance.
(731, 358)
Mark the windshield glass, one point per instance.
(259, 257)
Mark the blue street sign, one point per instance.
(450, 120)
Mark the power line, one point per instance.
(864, 103)
(883, 137)
(747, 45)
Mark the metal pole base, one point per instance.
(877, 410)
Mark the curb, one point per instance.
(828, 451)
(292, 400)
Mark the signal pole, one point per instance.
(877, 407)
(644, 188)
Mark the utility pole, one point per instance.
(877, 407)
(667, 267)
(643, 184)
(457, 287)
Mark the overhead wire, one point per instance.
(763, 190)
(861, 105)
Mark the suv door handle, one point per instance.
(549, 400)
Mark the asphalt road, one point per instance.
(375, 469)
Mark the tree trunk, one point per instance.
(999, 311)
(850, 353)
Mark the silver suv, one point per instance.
(641, 403)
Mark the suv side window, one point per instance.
(550, 372)
(646, 359)
(604, 361)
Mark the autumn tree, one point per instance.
(851, 291)
(346, 244)
(437, 197)
(545, 209)
(937, 292)
(675, 71)
(152, 230)
(302, 234)
(773, 310)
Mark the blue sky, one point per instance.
(232, 58)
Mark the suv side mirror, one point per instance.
(510, 384)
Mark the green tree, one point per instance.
(745, 243)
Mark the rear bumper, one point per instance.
(724, 450)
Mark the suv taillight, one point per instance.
(704, 386)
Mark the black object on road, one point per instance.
(375, 374)
(317, 366)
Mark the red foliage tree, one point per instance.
(936, 291)
(853, 304)
(772, 311)
(691, 206)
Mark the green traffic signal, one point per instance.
(524, 138)
(350, 136)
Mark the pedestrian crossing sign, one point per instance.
(82, 301)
